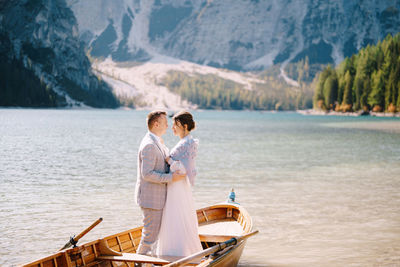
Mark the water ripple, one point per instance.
(321, 191)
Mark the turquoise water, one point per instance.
(322, 190)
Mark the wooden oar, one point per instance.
(206, 252)
(75, 240)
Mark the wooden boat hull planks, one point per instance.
(217, 224)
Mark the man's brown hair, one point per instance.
(153, 117)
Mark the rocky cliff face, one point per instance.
(234, 34)
(43, 36)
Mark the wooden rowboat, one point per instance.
(223, 229)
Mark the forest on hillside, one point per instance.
(21, 85)
(367, 81)
(213, 92)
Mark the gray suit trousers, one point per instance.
(151, 228)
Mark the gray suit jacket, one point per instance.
(152, 176)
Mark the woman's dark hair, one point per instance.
(185, 117)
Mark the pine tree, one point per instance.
(340, 88)
(331, 90)
(358, 92)
(365, 94)
(369, 63)
(390, 89)
(398, 96)
(348, 94)
(376, 97)
(319, 97)
(396, 82)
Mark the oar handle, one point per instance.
(206, 252)
(74, 240)
(240, 238)
(84, 232)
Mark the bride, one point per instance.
(178, 234)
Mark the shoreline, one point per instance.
(306, 112)
(314, 112)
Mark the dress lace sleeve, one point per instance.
(176, 155)
(186, 152)
(191, 160)
(193, 148)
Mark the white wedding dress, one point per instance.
(178, 234)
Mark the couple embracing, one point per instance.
(163, 188)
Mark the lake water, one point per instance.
(322, 191)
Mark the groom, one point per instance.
(152, 179)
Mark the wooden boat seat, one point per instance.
(108, 254)
(227, 227)
(215, 238)
(133, 257)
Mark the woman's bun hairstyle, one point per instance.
(185, 118)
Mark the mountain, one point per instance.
(45, 45)
(238, 35)
(42, 60)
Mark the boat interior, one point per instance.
(217, 224)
